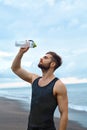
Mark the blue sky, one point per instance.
(56, 25)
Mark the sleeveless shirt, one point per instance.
(43, 105)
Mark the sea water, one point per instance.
(77, 95)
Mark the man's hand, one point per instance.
(23, 50)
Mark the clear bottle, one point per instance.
(26, 43)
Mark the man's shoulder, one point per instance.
(35, 76)
(60, 86)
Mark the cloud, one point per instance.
(84, 26)
(5, 61)
(26, 3)
(82, 51)
(21, 4)
(58, 25)
(5, 54)
(27, 63)
(31, 16)
(14, 84)
(74, 22)
(74, 80)
(4, 66)
(51, 2)
(73, 5)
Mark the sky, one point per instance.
(55, 25)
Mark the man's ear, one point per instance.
(53, 64)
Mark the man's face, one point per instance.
(45, 62)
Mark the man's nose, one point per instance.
(41, 59)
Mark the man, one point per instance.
(48, 92)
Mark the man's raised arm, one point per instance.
(18, 70)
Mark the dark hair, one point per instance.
(56, 58)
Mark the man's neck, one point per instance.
(47, 75)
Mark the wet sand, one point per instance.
(14, 117)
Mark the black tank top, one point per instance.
(43, 105)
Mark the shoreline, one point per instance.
(14, 117)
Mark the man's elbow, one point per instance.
(14, 69)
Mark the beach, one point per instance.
(14, 117)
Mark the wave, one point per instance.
(78, 107)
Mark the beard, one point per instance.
(44, 67)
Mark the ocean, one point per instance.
(77, 95)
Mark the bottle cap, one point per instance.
(34, 45)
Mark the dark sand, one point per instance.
(14, 117)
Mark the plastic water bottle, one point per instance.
(26, 43)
